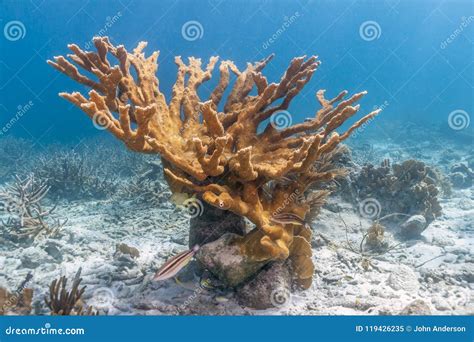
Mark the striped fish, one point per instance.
(287, 218)
(175, 264)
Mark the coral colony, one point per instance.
(217, 150)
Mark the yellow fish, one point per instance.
(179, 198)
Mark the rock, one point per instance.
(416, 308)
(467, 273)
(126, 249)
(270, 288)
(212, 224)
(441, 304)
(33, 257)
(54, 250)
(413, 227)
(461, 175)
(463, 168)
(188, 273)
(403, 278)
(225, 261)
(124, 260)
(450, 258)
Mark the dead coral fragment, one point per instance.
(27, 220)
(62, 302)
(147, 186)
(126, 249)
(198, 142)
(75, 174)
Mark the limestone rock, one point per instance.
(32, 257)
(415, 308)
(403, 278)
(54, 250)
(212, 224)
(225, 261)
(126, 249)
(413, 227)
(270, 288)
(460, 180)
(461, 175)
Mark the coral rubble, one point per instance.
(22, 201)
(218, 150)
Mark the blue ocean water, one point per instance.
(415, 58)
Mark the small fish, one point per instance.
(209, 282)
(187, 286)
(284, 179)
(206, 284)
(221, 299)
(287, 218)
(175, 264)
(179, 198)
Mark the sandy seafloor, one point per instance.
(438, 268)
